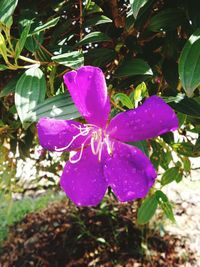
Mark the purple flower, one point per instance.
(98, 156)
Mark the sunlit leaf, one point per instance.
(30, 90)
(73, 59)
(136, 5)
(189, 64)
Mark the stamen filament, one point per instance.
(84, 133)
(80, 155)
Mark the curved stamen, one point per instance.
(80, 155)
(82, 133)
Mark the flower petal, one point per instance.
(129, 172)
(149, 120)
(54, 134)
(88, 90)
(84, 182)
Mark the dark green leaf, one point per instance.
(136, 5)
(171, 175)
(133, 67)
(30, 90)
(100, 56)
(73, 59)
(189, 63)
(187, 106)
(147, 209)
(60, 107)
(165, 205)
(94, 37)
(100, 19)
(32, 42)
(142, 145)
(9, 88)
(166, 20)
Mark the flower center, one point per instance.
(98, 138)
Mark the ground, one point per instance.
(62, 235)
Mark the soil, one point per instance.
(65, 236)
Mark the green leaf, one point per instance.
(189, 64)
(32, 42)
(7, 8)
(100, 56)
(3, 49)
(142, 145)
(165, 205)
(171, 175)
(147, 209)
(100, 19)
(136, 5)
(187, 149)
(30, 90)
(187, 106)
(91, 8)
(166, 20)
(9, 88)
(73, 59)
(139, 93)
(133, 67)
(124, 99)
(49, 24)
(21, 42)
(60, 107)
(94, 37)
(3, 67)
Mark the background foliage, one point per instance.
(144, 47)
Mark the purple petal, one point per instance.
(149, 120)
(84, 182)
(54, 134)
(129, 172)
(88, 90)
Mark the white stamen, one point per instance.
(71, 155)
(82, 133)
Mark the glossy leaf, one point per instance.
(21, 42)
(133, 67)
(100, 56)
(97, 20)
(73, 59)
(30, 90)
(124, 99)
(94, 37)
(187, 106)
(166, 20)
(60, 107)
(7, 8)
(136, 5)
(189, 64)
(49, 24)
(147, 209)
